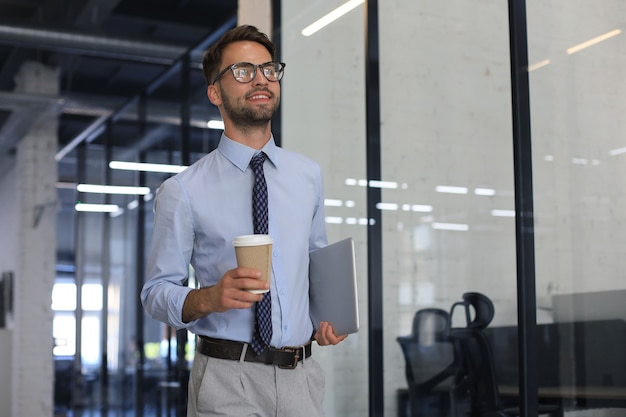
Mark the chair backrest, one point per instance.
(430, 357)
(477, 358)
(430, 325)
(482, 307)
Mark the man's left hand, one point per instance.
(326, 335)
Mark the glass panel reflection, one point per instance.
(447, 144)
(576, 56)
(323, 117)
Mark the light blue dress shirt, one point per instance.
(198, 213)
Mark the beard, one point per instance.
(245, 116)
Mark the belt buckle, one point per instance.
(296, 358)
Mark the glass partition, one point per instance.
(323, 117)
(576, 62)
(126, 360)
(447, 197)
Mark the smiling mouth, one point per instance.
(260, 96)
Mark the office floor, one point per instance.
(597, 412)
(152, 412)
(116, 412)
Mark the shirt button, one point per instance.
(285, 327)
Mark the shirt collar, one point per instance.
(240, 155)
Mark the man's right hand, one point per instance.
(232, 291)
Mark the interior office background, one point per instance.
(447, 193)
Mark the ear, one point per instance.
(213, 93)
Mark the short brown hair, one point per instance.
(213, 56)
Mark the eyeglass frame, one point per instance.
(232, 68)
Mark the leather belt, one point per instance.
(285, 358)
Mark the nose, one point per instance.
(259, 78)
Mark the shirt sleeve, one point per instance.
(318, 236)
(167, 269)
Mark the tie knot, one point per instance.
(257, 160)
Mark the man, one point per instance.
(200, 211)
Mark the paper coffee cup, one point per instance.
(255, 251)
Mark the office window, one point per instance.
(64, 321)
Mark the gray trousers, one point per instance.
(230, 388)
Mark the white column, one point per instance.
(36, 176)
(257, 13)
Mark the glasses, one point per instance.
(244, 72)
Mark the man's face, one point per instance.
(247, 104)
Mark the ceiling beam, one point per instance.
(25, 108)
(92, 131)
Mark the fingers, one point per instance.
(237, 298)
(233, 290)
(325, 335)
(244, 279)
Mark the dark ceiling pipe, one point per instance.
(89, 44)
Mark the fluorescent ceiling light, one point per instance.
(372, 183)
(215, 124)
(538, 65)
(451, 226)
(617, 151)
(142, 166)
(417, 207)
(112, 189)
(387, 206)
(593, 41)
(422, 208)
(96, 208)
(135, 203)
(331, 17)
(450, 189)
(485, 191)
(330, 202)
(334, 220)
(117, 213)
(383, 184)
(503, 213)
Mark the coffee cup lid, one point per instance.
(252, 240)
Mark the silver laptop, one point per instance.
(332, 287)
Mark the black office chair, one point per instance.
(431, 364)
(478, 370)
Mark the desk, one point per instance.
(583, 396)
(582, 363)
